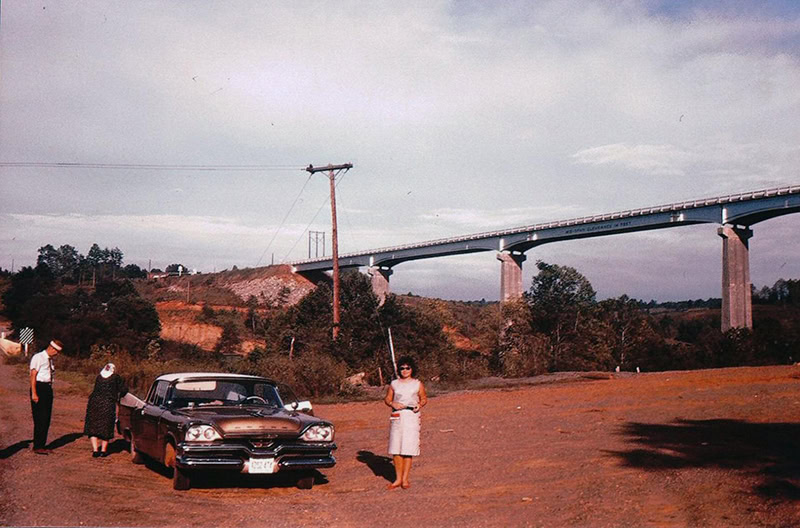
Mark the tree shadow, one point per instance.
(381, 466)
(768, 450)
(63, 440)
(13, 449)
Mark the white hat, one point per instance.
(108, 370)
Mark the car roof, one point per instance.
(207, 375)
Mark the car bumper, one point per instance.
(236, 457)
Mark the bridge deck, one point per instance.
(739, 209)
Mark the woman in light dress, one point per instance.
(406, 396)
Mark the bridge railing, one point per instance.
(678, 206)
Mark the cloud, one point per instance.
(478, 220)
(664, 160)
(460, 117)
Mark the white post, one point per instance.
(391, 349)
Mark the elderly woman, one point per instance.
(101, 411)
(406, 396)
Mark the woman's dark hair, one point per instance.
(407, 360)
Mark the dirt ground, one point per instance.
(701, 448)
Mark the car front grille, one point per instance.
(262, 444)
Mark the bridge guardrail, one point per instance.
(678, 206)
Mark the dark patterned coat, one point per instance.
(101, 411)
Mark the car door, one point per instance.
(149, 419)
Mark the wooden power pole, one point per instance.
(333, 170)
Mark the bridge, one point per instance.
(734, 213)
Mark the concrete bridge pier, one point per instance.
(737, 299)
(510, 275)
(380, 282)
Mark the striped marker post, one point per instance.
(26, 338)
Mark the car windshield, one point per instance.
(197, 393)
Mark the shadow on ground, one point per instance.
(14, 448)
(63, 440)
(381, 466)
(228, 479)
(768, 450)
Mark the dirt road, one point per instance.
(704, 448)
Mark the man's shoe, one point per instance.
(41, 451)
(96, 454)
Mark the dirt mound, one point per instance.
(270, 286)
(179, 300)
(10, 348)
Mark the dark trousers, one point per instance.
(42, 410)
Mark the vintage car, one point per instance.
(195, 422)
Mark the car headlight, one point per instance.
(318, 433)
(201, 433)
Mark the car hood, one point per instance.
(246, 421)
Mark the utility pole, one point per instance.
(333, 170)
(316, 236)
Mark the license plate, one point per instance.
(262, 465)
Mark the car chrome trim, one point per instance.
(286, 462)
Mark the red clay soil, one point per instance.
(700, 448)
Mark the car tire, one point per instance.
(136, 456)
(181, 479)
(305, 482)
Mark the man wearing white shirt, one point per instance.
(42, 370)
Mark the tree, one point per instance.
(559, 297)
(630, 333)
(252, 314)
(96, 256)
(63, 262)
(230, 340)
(26, 283)
(132, 271)
(521, 350)
(114, 314)
(103, 262)
(174, 268)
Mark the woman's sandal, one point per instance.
(393, 485)
(405, 485)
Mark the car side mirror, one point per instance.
(299, 406)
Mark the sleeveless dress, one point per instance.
(404, 424)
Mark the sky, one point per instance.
(459, 117)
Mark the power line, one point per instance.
(146, 166)
(284, 220)
(312, 220)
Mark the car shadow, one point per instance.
(118, 446)
(381, 466)
(13, 449)
(224, 479)
(282, 479)
(768, 450)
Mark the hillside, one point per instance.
(179, 300)
(271, 286)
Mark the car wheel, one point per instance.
(305, 482)
(180, 479)
(136, 456)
